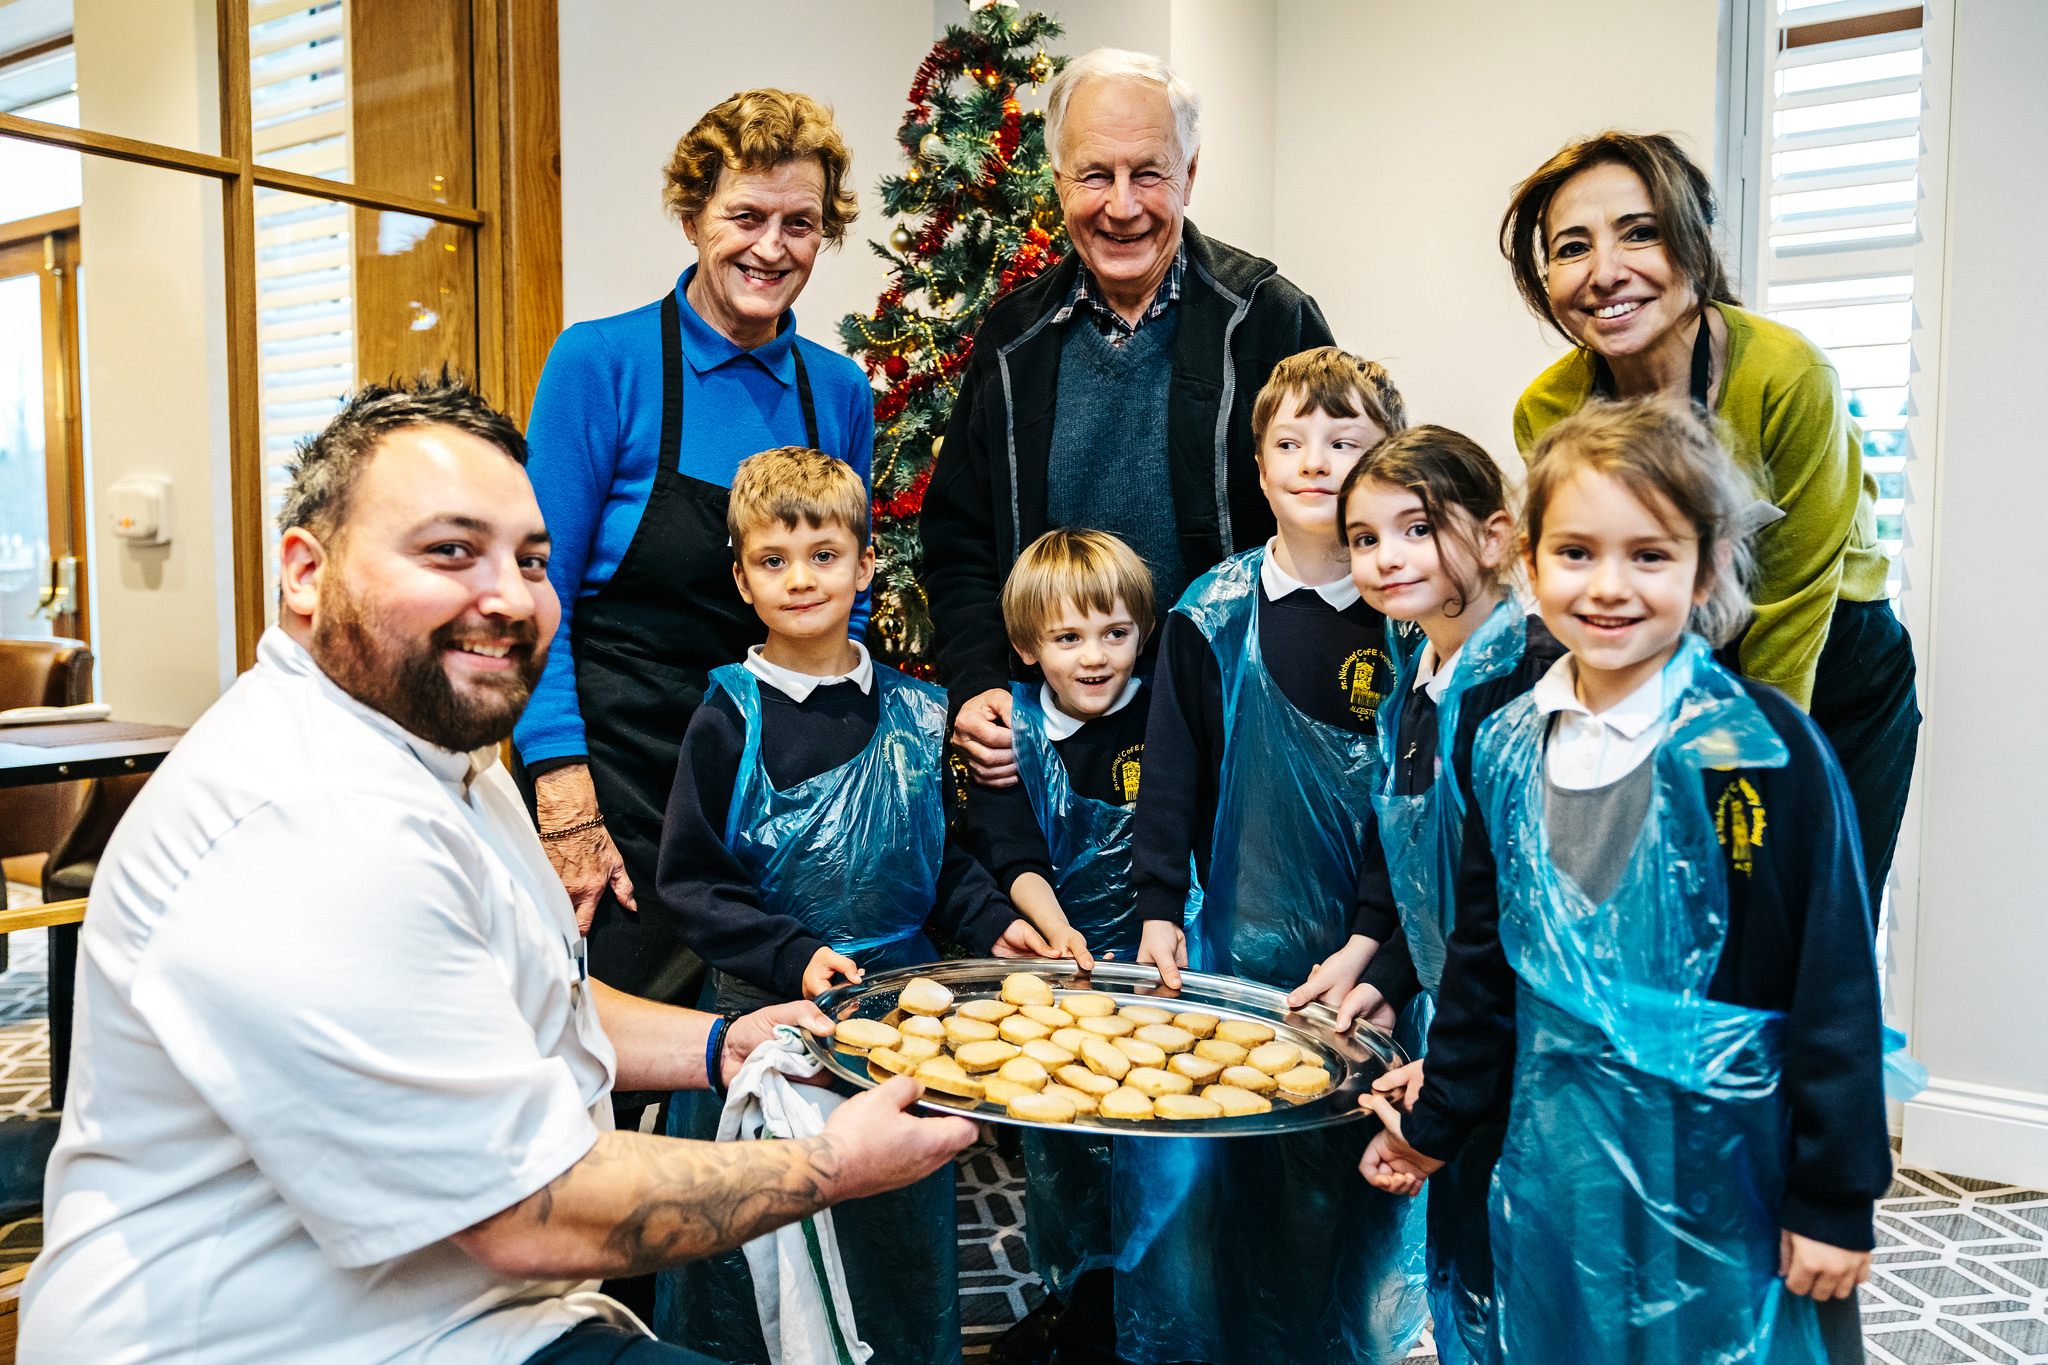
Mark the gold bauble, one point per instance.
(902, 238)
(930, 145)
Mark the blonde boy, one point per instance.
(805, 842)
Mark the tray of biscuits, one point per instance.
(1042, 1044)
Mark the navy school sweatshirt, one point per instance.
(1313, 652)
(713, 898)
(1799, 942)
(1097, 757)
(1416, 768)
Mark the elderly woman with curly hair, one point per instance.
(638, 425)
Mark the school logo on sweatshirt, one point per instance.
(1366, 676)
(1123, 773)
(1739, 823)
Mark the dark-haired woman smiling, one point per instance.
(1611, 242)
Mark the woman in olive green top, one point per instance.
(1611, 241)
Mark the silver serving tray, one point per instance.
(1354, 1059)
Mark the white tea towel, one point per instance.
(799, 1283)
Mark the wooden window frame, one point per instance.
(517, 219)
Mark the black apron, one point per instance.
(645, 644)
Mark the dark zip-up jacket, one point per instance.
(1238, 317)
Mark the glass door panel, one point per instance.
(24, 473)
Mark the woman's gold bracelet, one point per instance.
(568, 830)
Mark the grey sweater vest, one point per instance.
(1107, 468)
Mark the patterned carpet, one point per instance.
(1961, 1275)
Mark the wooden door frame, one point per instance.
(48, 246)
(517, 219)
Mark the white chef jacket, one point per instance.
(331, 1010)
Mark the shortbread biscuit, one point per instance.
(1125, 1103)
(1200, 1070)
(1070, 1039)
(922, 995)
(1043, 1108)
(1186, 1107)
(1140, 1052)
(1274, 1058)
(1237, 1102)
(948, 1077)
(1244, 1032)
(1088, 1004)
(922, 1026)
(1078, 1077)
(1216, 1050)
(1108, 1026)
(1047, 1053)
(959, 1030)
(1249, 1078)
(1197, 1023)
(1141, 1015)
(984, 1056)
(1105, 1060)
(864, 1035)
(919, 1049)
(1025, 1072)
(1025, 988)
(988, 1011)
(1052, 1016)
(1154, 1082)
(996, 1090)
(1303, 1081)
(890, 1063)
(1167, 1038)
(1082, 1101)
(1020, 1030)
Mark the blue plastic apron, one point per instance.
(1423, 838)
(1090, 840)
(1635, 1204)
(854, 854)
(1267, 1251)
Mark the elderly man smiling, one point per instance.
(342, 1081)
(1114, 391)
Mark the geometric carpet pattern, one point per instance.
(1961, 1273)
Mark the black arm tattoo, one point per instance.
(653, 1202)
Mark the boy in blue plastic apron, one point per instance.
(1662, 949)
(1078, 606)
(805, 843)
(1262, 763)
(1424, 515)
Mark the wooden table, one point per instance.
(106, 748)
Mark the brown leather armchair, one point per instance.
(40, 673)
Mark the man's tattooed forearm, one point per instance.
(691, 1200)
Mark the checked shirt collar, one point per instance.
(1088, 295)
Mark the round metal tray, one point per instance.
(1354, 1059)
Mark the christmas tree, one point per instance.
(977, 216)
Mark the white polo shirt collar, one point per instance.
(799, 686)
(1588, 750)
(1059, 725)
(1431, 678)
(1277, 582)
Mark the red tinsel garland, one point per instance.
(907, 503)
(934, 235)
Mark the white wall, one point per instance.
(636, 74)
(1983, 936)
(1401, 130)
(155, 359)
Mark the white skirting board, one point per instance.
(1984, 1131)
